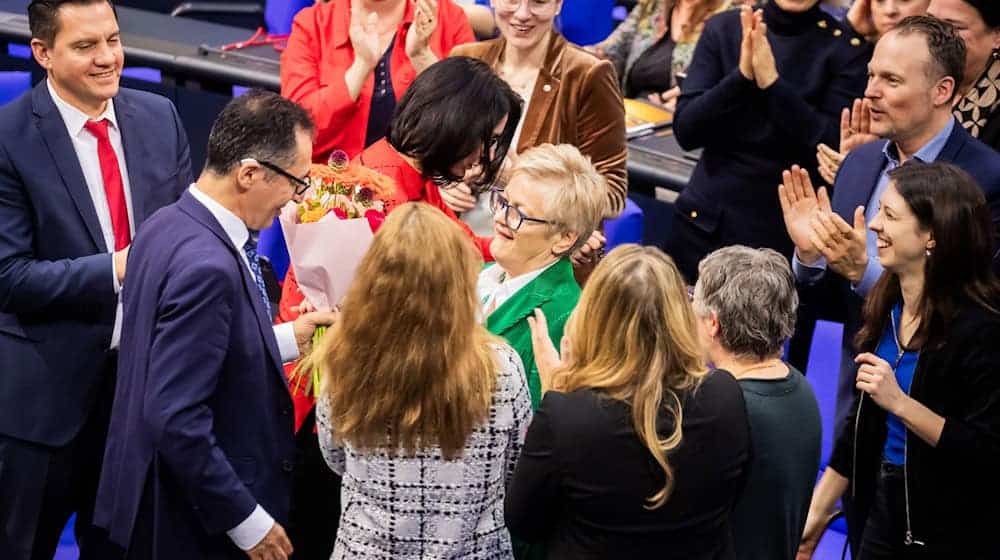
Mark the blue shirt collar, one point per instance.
(929, 152)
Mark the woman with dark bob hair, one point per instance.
(456, 116)
(921, 453)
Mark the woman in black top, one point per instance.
(921, 455)
(757, 106)
(636, 452)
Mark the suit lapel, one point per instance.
(956, 141)
(198, 211)
(523, 303)
(137, 157)
(60, 146)
(543, 95)
(869, 173)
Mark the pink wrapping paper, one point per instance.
(325, 254)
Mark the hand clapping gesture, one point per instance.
(855, 130)
(419, 34)
(756, 57)
(364, 36)
(799, 206)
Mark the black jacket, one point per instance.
(952, 489)
(583, 476)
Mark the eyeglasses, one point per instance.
(536, 7)
(300, 184)
(513, 217)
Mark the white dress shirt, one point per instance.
(85, 146)
(495, 286)
(253, 529)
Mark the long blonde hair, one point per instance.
(632, 338)
(408, 366)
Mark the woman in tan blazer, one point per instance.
(571, 97)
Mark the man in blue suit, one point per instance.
(82, 165)
(201, 447)
(912, 79)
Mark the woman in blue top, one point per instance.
(920, 456)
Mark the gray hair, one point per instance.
(752, 292)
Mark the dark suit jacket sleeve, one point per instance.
(189, 346)
(184, 176)
(28, 285)
(533, 495)
(808, 125)
(971, 438)
(713, 98)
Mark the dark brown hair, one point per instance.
(949, 203)
(43, 17)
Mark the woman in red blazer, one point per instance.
(348, 62)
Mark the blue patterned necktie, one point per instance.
(250, 248)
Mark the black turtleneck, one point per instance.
(749, 135)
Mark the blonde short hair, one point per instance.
(579, 199)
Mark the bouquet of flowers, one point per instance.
(329, 232)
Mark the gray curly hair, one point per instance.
(752, 292)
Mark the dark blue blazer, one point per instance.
(202, 425)
(57, 300)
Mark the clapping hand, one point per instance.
(364, 36)
(842, 245)
(275, 545)
(860, 18)
(855, 130)
(756, 57)
(799, 206)
(419, 34)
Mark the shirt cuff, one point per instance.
(287, 347)
(808, 274)
(873, 271)
(248, 534)
(114, 275)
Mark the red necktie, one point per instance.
(114, 189)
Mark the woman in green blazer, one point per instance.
(553, 200)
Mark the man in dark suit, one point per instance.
(81, 167)
(200, 448)
(908, 101)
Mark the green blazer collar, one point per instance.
(523, 303)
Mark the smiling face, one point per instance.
(979, 39)
(902, 94)
(267, 192)
(902, 242)
(525, 23)
(84, 61)
(887, 13)
(534, 244)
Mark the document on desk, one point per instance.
(643, 117)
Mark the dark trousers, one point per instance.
(315, 513)
(885, 530)
(42, 486)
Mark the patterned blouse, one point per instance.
(645, 24)
(424, 506)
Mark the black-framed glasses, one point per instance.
(301, 185)
(513, 217)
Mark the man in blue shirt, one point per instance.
(912, 80)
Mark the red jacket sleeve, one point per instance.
(432, 196)
(329, 104)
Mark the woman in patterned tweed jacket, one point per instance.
(421, 410)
